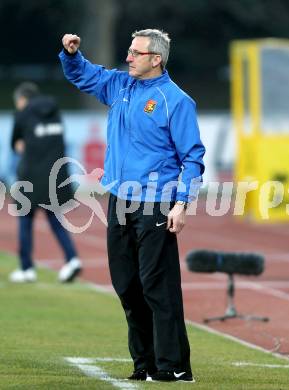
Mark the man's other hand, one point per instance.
(176, 219)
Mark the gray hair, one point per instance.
(159, 42)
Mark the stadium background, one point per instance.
(201, 32)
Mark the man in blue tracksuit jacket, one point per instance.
(153, 158)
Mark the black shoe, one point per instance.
(139, 375)
(171, 376)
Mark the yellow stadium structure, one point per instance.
(260, 106)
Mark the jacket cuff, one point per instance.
(193, 192)
(69, 54)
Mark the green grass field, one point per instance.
(41, 324)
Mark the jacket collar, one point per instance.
(154, 81)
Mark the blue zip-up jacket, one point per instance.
(152, 133)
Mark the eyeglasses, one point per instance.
(136, 53)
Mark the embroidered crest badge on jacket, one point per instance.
(150, 106)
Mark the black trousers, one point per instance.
(145, 272)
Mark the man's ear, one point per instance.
(156, 61)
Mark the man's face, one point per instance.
(20, 103)
(142, 66)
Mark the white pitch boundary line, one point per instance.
(277, 257)
(270, 291)
(104, 288)
(256, 286)
(88, 367)
(262, 365)
(99, 262)
(236, 339)
(275, 283)
(273, 292)
(241, 285)
(81, 360)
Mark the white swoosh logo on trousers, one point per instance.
(160, 224)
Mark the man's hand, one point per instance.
(19, 146)
(71, 43)
(176, 218)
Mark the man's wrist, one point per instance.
(182, 203)
(68, 53)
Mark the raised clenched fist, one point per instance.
(71, 42)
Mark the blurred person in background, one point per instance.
(152, 135)
(38, 138)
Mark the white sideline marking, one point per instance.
(269, 286)
(236, 340)
(106, 288)
(241, 364)
(99, 262)
(87, 366)
(220, 281)
(97, 359)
